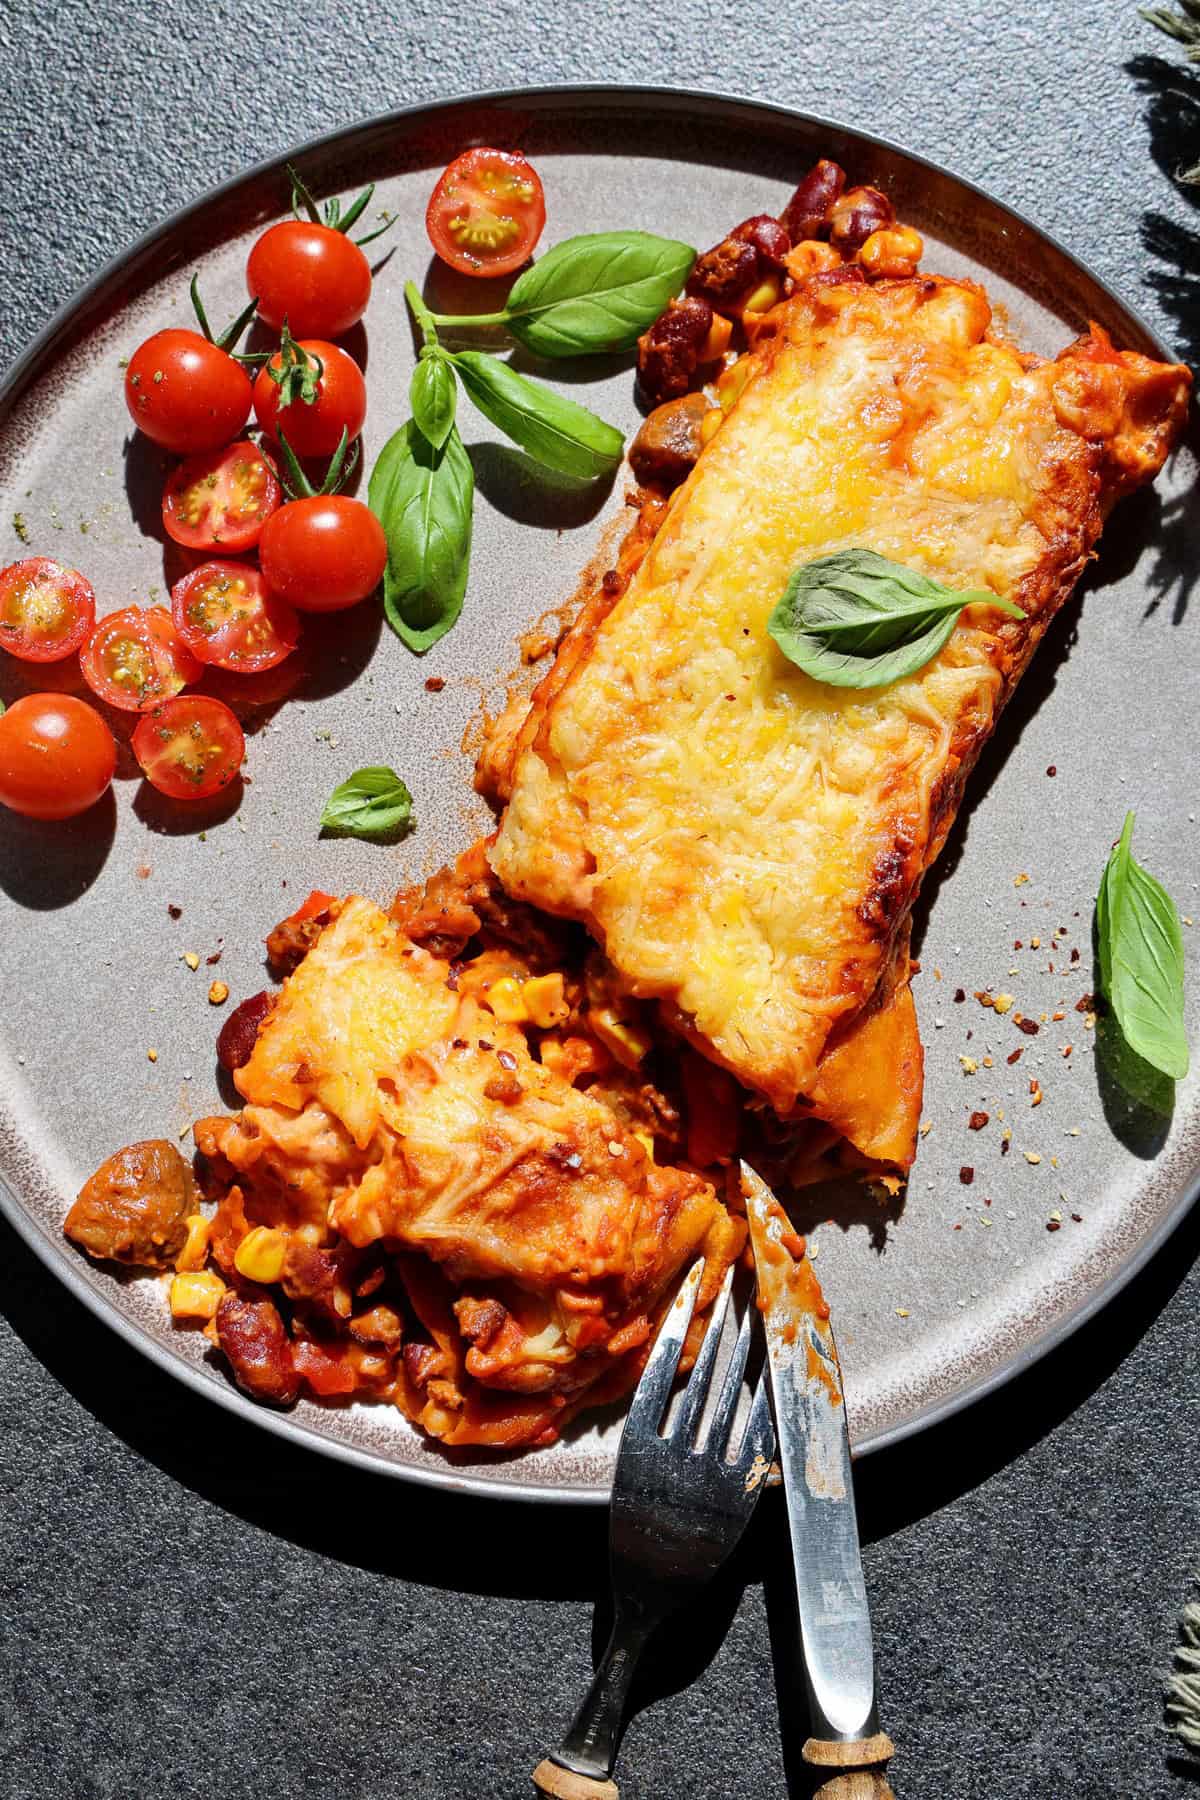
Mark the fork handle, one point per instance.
(857, 1767)
(581, 1768)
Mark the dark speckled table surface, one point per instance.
(190, 1608)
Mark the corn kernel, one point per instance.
(194, 1254)
(259, 1256)
(196, 1294)
(894, 250)
(628, 1043)
(717, 341)
(764, 297)
(545, 1002)
(810, 258)
(710, 424)
(506, 1001)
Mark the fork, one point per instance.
(678, 1510)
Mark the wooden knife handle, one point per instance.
(856, 1769)
(564, 1784)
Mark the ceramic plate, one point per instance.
(939, 1298)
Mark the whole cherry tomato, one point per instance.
(323, 553)
(57, 756)
(322, 394)
(309, 277)
(185, 392)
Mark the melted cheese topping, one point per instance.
(724, 824)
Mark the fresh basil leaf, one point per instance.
(422, 497)
(555, 431)
(596, 292)
(373, 803)
(433, 395)
(1141, 959)
(859, 620)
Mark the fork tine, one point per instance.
(731, 1387)
(696, 1392)
(653, 1390)
(758, 1439)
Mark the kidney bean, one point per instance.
(253, 1337)
(858, 213)
(728, 272)
(768, 236)
(669, 353)
(238, 1034)
(806, 214)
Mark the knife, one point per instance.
(814, 1454)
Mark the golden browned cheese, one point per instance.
(385, 1106)
(745, 842)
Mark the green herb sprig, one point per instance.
(1140, 944)
(373, 804)
(587, 295)
(859, 620)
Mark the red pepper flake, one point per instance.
(176, 912)
(1004, 1146)
(977, 1121)
(434, 684)
(1017, 944)
(966, 1174)
(506, 1059)
(143, 874)
(960, 995)
(958, 1228)
(1053, 1224)
(1086, 1003)
(1075, 956)
(485, 1045)
(1056, 1016)
(1067, 1049)
(459, 1044)
(1029, 1026)
(1078, 1218)
(1052, 770)
(1016, 1054)
(987, 1200)
(214, 958)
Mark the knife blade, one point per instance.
(814, 1455)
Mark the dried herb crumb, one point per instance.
(21, 527)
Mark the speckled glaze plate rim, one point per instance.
(702, 104)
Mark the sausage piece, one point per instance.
(132, 1210)
(253, 1337)
(666, 448)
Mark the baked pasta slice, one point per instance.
(415, 1158)
(746, 843)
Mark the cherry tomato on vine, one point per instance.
(487, 212)
(190, 747)
(226, 616)
(323, 553)
(57, 756)
(46, 609)
(135, 658)
(186, 393)
(221, 499)
(310, 276)
(313, 427)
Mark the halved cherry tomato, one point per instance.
(221, 499)
(324, 553)
(135, 658)
(190, 747)
(487, 212)
(185, 393)
(226, 616)
(311, 276)
(46, 610)
(57, 756)
(314, 427)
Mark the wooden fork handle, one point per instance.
(564, 1784)
(857, 1769)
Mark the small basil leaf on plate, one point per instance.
(423, 497)
(859, 620)
(433, 395)
(555, 431)
(373, 803)
(1140, 946)
(596, 292)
